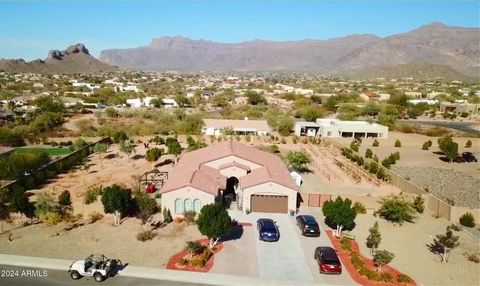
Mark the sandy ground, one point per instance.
(412, 155)
(408, 243)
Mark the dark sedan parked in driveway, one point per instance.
(327, 260)
(308, 225)
(267, 230)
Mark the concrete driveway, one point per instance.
(310, 243)
(284, 259)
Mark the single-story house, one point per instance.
(374, 96)
(305, 128)
(239, 127)
(231, 173)
(419, 101)
(459, 107)
(354, 129)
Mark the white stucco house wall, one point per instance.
(354, 129)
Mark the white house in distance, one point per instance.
(354, 129)
(240, 127)
(419, 101)
(306, 128)
(146, 101)
(373, 96)
(233, 174)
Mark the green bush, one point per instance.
(92, 194)
(153, 154)
(183, 262)
(368, 153)
(425, 146)
(346, 243)
(467, 220)
(359, 208)
(398, 144)
(386, 163)
(197, 262)
(354, 145)
(396, 155)
(145, 235)
(64, 199)
(403, 278)
(468, 144)
(396, 209)
(373, 167)
(119, 136)
(419, 204)
(190, 217)
(375, 143)
(51, 218)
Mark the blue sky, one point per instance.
(29, 29)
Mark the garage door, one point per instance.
(269, 203)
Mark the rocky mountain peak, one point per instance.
(73, 49)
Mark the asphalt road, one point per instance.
(467, 127)
(25, 276)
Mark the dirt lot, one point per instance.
(100, 237)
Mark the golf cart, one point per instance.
(96, 265)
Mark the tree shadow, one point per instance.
(110, 156)
(137, 156)
(165, 162)
(438, 153)
(235, 233)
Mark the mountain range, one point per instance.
(436, 44)
(74, 59)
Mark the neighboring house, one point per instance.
(352, 129)
(370, 96)
(459, 107)
(414, 94)
(434, 94)
(305, 128)
(233, 174)
(240, 127)
(427, 101)
(169, 103)
(146, 101)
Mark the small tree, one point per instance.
(448, 147)
(127, 148)
(339, 214)
(425, 146)
(193, 247)
(214, 222)
(4, 215)
(274, 149)
(64, 199)
(167, 216)
(21, 204)
(382, 258)
(45, 204)
(146, 205)
(444, 243)
(154, 154)
(419, 204)
(375, 158)
(375, 143)
(398, 144)
(354, 145)
(374, 238)
(298, 160)
(117, 200)
(467, 220)
(468, 144)
(396, 209)
(174, 148)
(368, 153)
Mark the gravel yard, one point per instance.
(462, 189)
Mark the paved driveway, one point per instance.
(284, 259)
(310, 243)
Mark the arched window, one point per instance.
(178, 206)
(197, 205)
(188, 205)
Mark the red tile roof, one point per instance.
(192, 171)
(371, 94)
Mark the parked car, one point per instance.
(469, 157)
(96, 265)
(267, 230)
(327, 260)
(308, 225)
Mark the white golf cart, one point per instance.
(96, 265)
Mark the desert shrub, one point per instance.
(386, 163)
(368, 153)
(145, 235)
(190, 217)
(274, 148)
(92, 194)
(51, 218)
(248, 138)
(425, 146)
(197, 262)
(455, 227)
(183, 262)
(403, 278)
(398, 144)
(375, 143)
(295, 140)
(346, 243)
(386, 277)
(474, 257)
(69, 218)
(359, 208)
(357, 262)
(153, 154)
(396, 155)
(167, 216)
(467, 220)
(419, 204)
(283, 141)
(119, 136)
(381, 174)
(94, 217)
(373, 167)
(305, 141)
(207, 253)
(354, 145)
(375, 158)
(45, 204)
(193, 247)
(468, 144)
(396, 209)
(64, 198)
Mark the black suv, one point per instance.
(469, 157)
(308, 225)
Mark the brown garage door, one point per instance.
(269, 203)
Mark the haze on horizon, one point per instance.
(29, 29)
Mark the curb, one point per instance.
(155, 273)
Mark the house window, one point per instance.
(196, 205)
(178, 206)
(188, 205)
